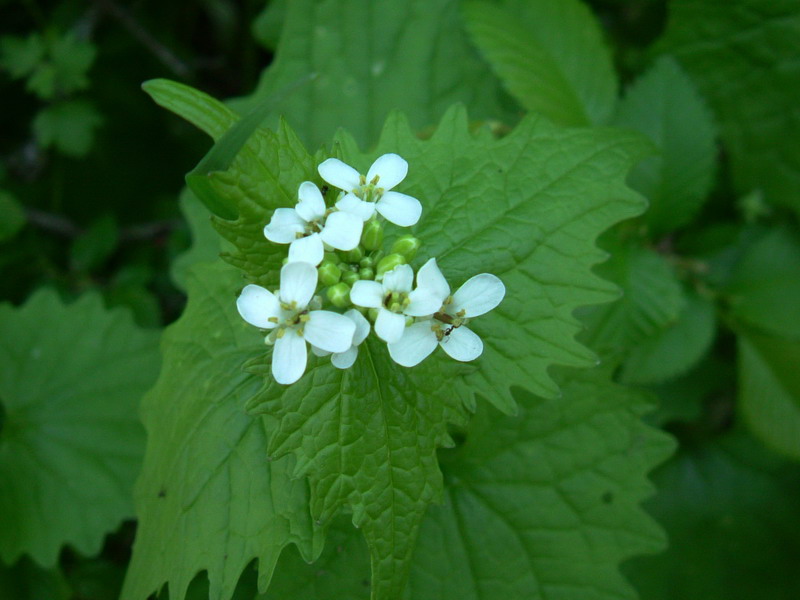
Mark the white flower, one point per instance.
(395, 301)
(308, 226)
(345, 360)
(364, 195)
(292, 322)
(447, 328)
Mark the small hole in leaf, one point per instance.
(608, 497)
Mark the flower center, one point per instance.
(396, 301)
(447, 323)
(369, 192)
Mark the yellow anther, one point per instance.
(273, 320)
(375, 180)
(304, 318)
(279, 334)
(362, 179)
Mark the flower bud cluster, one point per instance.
(337, 256)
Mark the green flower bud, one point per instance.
(329, 273)
(367, 261)
(366, 273)
(350, 277)
(332, 257)
(389, 262)
(339, 295)
(407, 246)
(354, 255)
(373, 314)
(372, 237)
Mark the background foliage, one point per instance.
(525, 479)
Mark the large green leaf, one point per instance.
(540, 505)
(549, 54)
(71, 378)
(26, 581)
(208, 498)
(664, 105)
(744, 57)
(731, 512)
(371, 58)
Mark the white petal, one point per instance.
(399, 279)
(478, 295)
(312, 205)
(368, 294)
(390, 169)
(319, 352)
(423, 302)
(429, 277)
(329, 330)
(362, 325)
(289, 357)
(417, 343)
(462, 344)
(342, 230)
(399, 209)
(390, 326)
(340, 175)
(345, 360)
(284, 226)
(257, 305)
(352, 204)
(307, 250)
(298, 283)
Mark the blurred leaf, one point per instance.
(21, 55)
(11, 216)
(543, 504)
(94, 247)
(208, 497)
(769, 389)
(269, 24)
(371, 58)
(665, 106)
(651, 299)
(550, 55)
(72, 57)
(744, 57)
(69, 126)
(731, 512)
(764, 288)
(71, 444)
(674, 349)
(26, 581)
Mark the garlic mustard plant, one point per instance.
(364, 195)
(447, 326)
(292, 322)
(309, 226)
(338, 252)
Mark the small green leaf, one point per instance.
(549, 54)
(764, 289)
(71, 444)
(69, 126)
(675, 349)
(11, 216)
(664, 105)
(71, 57)
(208, 498)
(731, 513)
(743, 56)
(769, 389)
(21, 55)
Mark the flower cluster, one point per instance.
(339, 249)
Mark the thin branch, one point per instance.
(52, 223)
(64, 227)
(161, 52)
